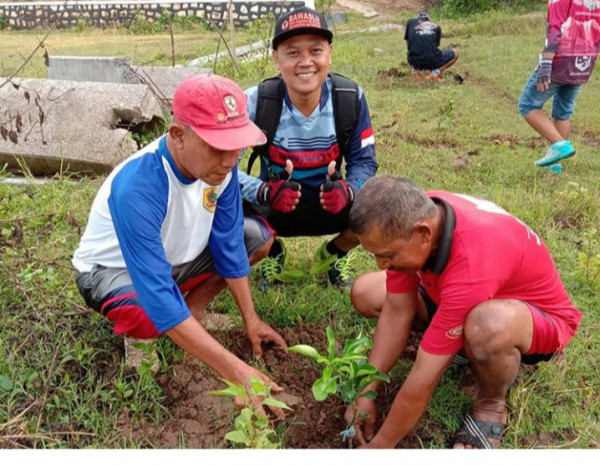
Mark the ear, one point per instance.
(423, 232)
(176, 132)
(275, 58)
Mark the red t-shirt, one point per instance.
(493, 256)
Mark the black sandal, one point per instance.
(477, 433)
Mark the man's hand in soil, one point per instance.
(258, 332)
(256, 401)
(364, 425)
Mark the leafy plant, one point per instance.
(252, 427)
(346, 375)
(588, 267)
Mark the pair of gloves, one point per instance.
(283, 195)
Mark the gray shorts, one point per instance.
(101, 283)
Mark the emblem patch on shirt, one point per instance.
(210, 199)
(455, 333)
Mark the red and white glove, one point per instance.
(336, 194)
(282, 195)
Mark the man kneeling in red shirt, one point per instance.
(480, 279)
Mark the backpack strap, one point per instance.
(268, 112)
(346, 108)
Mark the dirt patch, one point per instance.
(200, 420)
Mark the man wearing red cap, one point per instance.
(300, 190)
(166, 231)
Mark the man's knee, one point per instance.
(487, 329)
(361, 297)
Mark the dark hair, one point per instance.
(392, 203)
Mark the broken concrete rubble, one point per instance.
(82, 127)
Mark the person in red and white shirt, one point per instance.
(479, 279)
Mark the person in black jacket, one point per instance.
(422, 38)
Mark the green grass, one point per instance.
(61, 367)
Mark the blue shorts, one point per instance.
(563, 103)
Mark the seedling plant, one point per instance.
(252, 427)
(346, 375)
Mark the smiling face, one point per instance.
(304, 62)
(400, 255)
(198, 160)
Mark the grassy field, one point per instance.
(62, 379)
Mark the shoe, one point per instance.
(338, 268)
(558, 151)
(140, 354)
(275, 262)
(435, 76)
(415, 73)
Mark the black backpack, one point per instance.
(346, 107)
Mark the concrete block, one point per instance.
(162, 80)
(55, 125)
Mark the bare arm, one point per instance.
(192, 338)
(412, 399)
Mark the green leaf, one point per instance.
(291, 276)
(276, 403)
(359, 345)
(330, 343)
(370, 395)
(322, 389)
(236, 436)
(306, 350)
(5, 383)
(319, 268)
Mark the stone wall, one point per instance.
(110, 14)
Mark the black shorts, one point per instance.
(305, 220)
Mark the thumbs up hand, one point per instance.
(335, 194)
(282, 195)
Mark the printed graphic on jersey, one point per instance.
(455, 333)
(210, 199)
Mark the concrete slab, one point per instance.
(55, 125)
(162, 80)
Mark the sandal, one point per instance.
(477, 433)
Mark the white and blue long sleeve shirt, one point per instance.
(148, 217)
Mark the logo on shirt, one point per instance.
(583, 63)
(591, 4)
(210, 199)
(455, 333)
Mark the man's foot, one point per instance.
(141, 353)
(435, 75)
(474, 434)
(415, 74)
(338, 268)
(274, 264)
(558, 151)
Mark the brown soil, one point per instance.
(200, 420)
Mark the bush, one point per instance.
(457, 8)
(3, 22)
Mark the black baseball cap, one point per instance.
(300, 21)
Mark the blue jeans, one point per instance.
(563, 103)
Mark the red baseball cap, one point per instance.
(215, 108)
